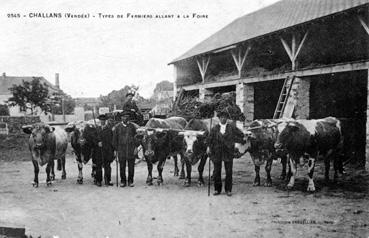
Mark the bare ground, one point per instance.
(67, 209)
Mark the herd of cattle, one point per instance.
(295, 142)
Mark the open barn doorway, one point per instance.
(343, 95)
(266, 95)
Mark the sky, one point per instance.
(97, 55)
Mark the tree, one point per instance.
(30, 95)
(117, 97)
(59, 99)
(164, 85)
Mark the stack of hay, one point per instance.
(190, 107)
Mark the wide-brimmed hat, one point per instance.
(103, 117)
(130, 93)
(125, 114)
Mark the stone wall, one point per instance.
(248, 108)
(14, 124)
(302, 108)
(240, 96)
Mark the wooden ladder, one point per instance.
(283, 97)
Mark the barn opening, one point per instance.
(266, 95)
(343, 95)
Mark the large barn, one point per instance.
(295, 58)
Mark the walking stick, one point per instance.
(211, 120)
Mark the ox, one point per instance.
(260, 139)
(159, 140)
(194, 138)
(84, 144)
(46, 144)
(309, 139)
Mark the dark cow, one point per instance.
(159, 140)
(46, 144)
(309, 139)
(84, 144)
(194, 138)
(261, 137)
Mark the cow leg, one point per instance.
(257, 176)
(176, 170)
(338, 166)
(149, 170)
(64, 174)
(59, 165)
(49, 166)
(80, 174)
(36, 170)
(182, 174)
(311, 165)
(284, 167)
(291, 182)
(160, 170)
(52, 175)
(187, 181)
(268, 168)
(327, 164)
(201, 170)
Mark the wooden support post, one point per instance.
(238, 59)
(365, 25)
(175, 82)
(203, 66)
(293, 52)
(367, 128)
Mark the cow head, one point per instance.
(147, 139)
(39, 133)
(194, 142)
(286, 131)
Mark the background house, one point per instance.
(7, 82)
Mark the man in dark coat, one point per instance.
(106, 136)
(124, 145)
(221, 142)
(91, 134)
(130, 106)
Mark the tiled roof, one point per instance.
(273, 18)
(8, 81)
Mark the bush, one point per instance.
(4, 110)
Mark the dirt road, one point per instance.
(67, 209)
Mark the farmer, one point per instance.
(131, 107)
(106, 135)
(221, 143)
(124, 146)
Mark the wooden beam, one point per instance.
(293, 52)
(239, 60)
(235, 59)
(364, 24)
(326, 69)
(287, 48)
(203, 67)
(244, 57)
(301, 44)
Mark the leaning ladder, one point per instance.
(283, 97)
